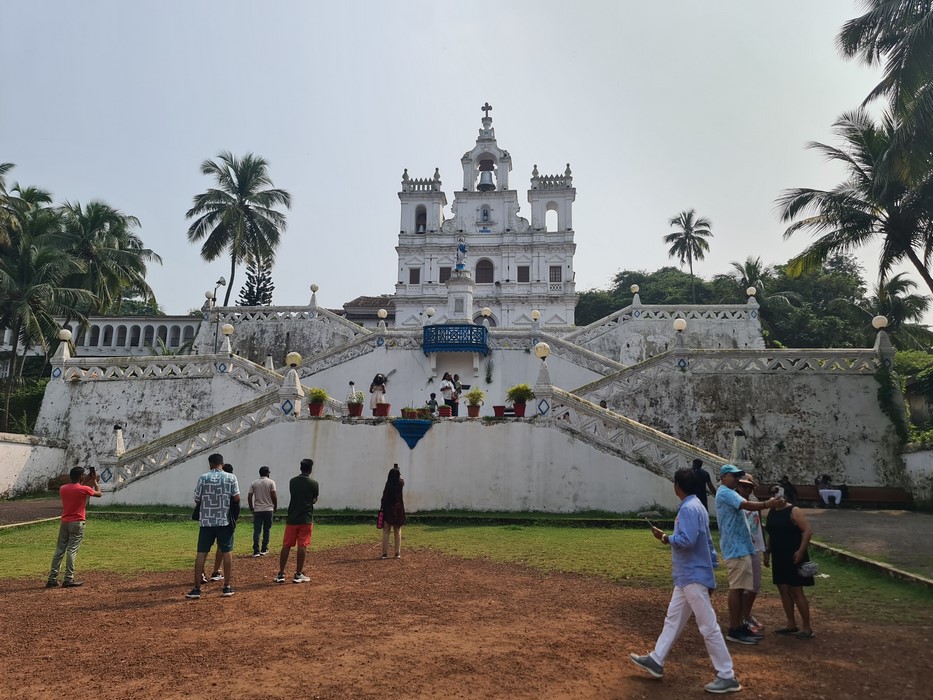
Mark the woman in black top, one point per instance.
(788, 535)
(393, 511)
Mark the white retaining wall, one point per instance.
(920, 473)
(464, 464)
(27, 463)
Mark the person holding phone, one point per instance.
(692, 561)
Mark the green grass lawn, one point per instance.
(631, 557)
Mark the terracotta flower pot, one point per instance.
(355, 409)
(382, 409)
(409, 413)
(444, 411)
(519, 409)
(473, 411)
(499, 411)
(316, 408)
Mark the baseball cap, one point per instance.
(730, 469)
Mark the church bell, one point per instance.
(485, 182)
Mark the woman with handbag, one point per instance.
(788, 535)
(393, 511)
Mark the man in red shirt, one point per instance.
(71, 531)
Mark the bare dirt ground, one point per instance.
(425, 626)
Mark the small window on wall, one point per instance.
(524, 273)
(444, 275)
(414, 275)
(555, 272)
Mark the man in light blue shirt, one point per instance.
(693, 559)
(735, 541)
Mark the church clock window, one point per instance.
(414, 275)
(484, 272)
(444, 274)
(555, 273)
(524, 273)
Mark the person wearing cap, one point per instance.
(746, 489)
(693, 559)
(735, 542)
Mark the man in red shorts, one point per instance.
(303, 492)
(71, 531)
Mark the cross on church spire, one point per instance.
(487, 108)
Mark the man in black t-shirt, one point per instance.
(303, 493)
(703, 482)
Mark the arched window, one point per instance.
(421, 219)
(484, 271)
(174, 338)
(95, 336)
(121, 336)
(162, 334)
(188, 333)
(551, 221)
(134, 336)
(108, 336)
(149, 336)
(478, 320)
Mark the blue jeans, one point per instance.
(69, 539)
(262, 521)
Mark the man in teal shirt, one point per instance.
(737, 548)
(303, 492)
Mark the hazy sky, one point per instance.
(658, 107)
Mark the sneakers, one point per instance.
(263, 552)
(194, 593)
(228, 591)
(53, 584)
(649, 664)
(300, 578)
(398, 555)
(217, 576)
(741, 636)
(723, 685)
(279, 578)
(205, 579)
(72, 584)
(384, 556)
(256, 555)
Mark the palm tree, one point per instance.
(904, 310)
(238, 215)
(884, 197)
(32, 274)
(112, 256)
(689, 243)
(900, 33)
(6, 214)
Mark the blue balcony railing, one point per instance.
(465, 337)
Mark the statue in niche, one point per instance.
(461, 254)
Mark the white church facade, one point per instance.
(509, 265)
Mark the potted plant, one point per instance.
(425, 413)
(317, 397)
(445, 411)
(355, 402)
(474, 399)
(409, 413)
(518, 396)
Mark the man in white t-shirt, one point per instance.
(263, 502)
(746, 489)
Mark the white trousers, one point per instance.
(693, 599)
(835, 493)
